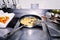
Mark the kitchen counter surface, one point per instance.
(30, 34)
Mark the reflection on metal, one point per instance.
(2, 3)
(30, 32)
(33, 12)
(34, 6)
(7, 3)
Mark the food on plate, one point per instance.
(3, 19)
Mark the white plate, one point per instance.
(10, 15)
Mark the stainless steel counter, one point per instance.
(35, 34)
(30, 34)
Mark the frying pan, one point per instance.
(22, 25)
(29, 16)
